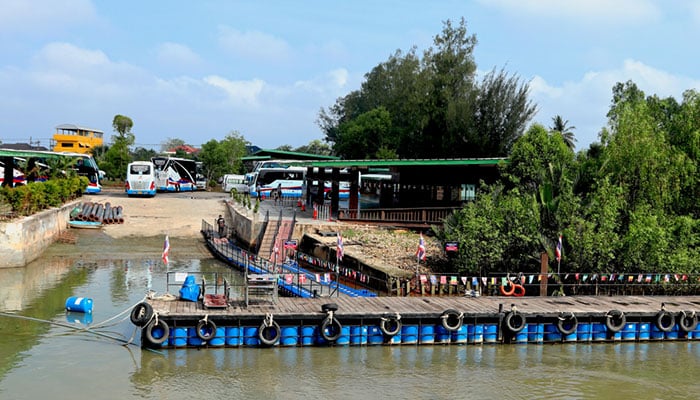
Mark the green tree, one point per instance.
(171, 143)
(118, 156)
(315, 147)
(223, 157)
(562, 126)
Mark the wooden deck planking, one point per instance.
(368, 307)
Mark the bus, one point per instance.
(140, 179)
(175, 174)
(200, 178)
(288, 179)
(34, 166)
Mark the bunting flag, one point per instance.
(288, 279)
(558, 250)
(420, 253)
(339, 249)
(302, 278)
(166, 250)
(443, 279)
(453, 280)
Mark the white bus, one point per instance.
(175, 174)
(140, 179)
(289, 180)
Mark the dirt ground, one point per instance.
(173, 214)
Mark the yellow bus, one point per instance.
(76, 139)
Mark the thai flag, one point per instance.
(166, 250)
(558, 251)
(420, 253)
(339, 248)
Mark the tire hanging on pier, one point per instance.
(157, 325)
(665, 321)
(141, 314)
(390, 325)
(452, 319)
(515, 322)
(331, 329)
(687, 321)
(269, 332)
(567, 324)
(615, 320)
(206, 329)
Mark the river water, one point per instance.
(58, 360)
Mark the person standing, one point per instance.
(221, 223)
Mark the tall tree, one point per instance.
(171, 143)
(118, 156)
(562, 126)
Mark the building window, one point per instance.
(468, 192)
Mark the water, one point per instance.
(40, 360)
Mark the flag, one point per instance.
(166, 250)
(558, 250)
(420, 253)
(339, 249)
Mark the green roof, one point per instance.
(286, 155)
(402, 162)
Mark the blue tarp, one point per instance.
(190, 290)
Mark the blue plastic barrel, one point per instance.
(358, 335)
(629, 332)
(344, 338)
(583, 332)
(374, 335)
(427, 334)
(219, 338)
(695, 335)
(475, 334)
(233, 336)
(644, 331)
(192, 338)
(79, 304)
(250, 336)
(158, 332)
(289, 336)
(551, 333)
(535, 333)
(442, 335)
(79, 318)
(179, 337)
(409, 334)
(460, 335)
(673, 333)
(520, 337)
(308, 335)
(599, 332)
(491, 333)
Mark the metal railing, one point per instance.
(433, 215)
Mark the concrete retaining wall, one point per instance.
(24, 240)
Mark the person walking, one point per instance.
(221, 224)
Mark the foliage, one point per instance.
(223, 157)
(118, 156)
(171, 143)
(429, 107)
(36, 196)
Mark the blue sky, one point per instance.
(197, 70)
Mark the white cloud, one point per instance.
(239, 92)
(586, 11)
(43, 15)
(175, 53)
(586, 102)
(254, 44)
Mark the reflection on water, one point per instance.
(80, 364)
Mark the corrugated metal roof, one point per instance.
(403, 162)
(73, 127)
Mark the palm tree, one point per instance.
(560, 125)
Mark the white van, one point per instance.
(140, 179)
(237, 182)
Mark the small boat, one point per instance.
(85, 224)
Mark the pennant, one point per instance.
(647, 279)
(420, 253)
(639, 278)
(327, 277)
(585, 277)
(558, 250)
(339, 250)
(424, 278)
(484, 280)
(288, 279)
(443, 279)
(302, 278)
(453, 280)
(166, 250)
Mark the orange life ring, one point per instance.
(518, 290)
(509, 292)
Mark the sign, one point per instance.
(290, 244)
(451, 246)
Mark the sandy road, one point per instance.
(174, 214)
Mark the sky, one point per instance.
(199, 70)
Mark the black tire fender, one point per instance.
(452, 319)
(206, 329)
(329, 307)
(331, 329)
(688, 321)
(390, 325)
(665, 321)
(269, 333)
(157, 323)
(565, 320)
(141, 314)
(615, 320)
(515, 322)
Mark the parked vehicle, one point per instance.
(232, 181)
(140, 179)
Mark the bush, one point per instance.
(36, 196)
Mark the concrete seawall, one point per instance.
(25, 239)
